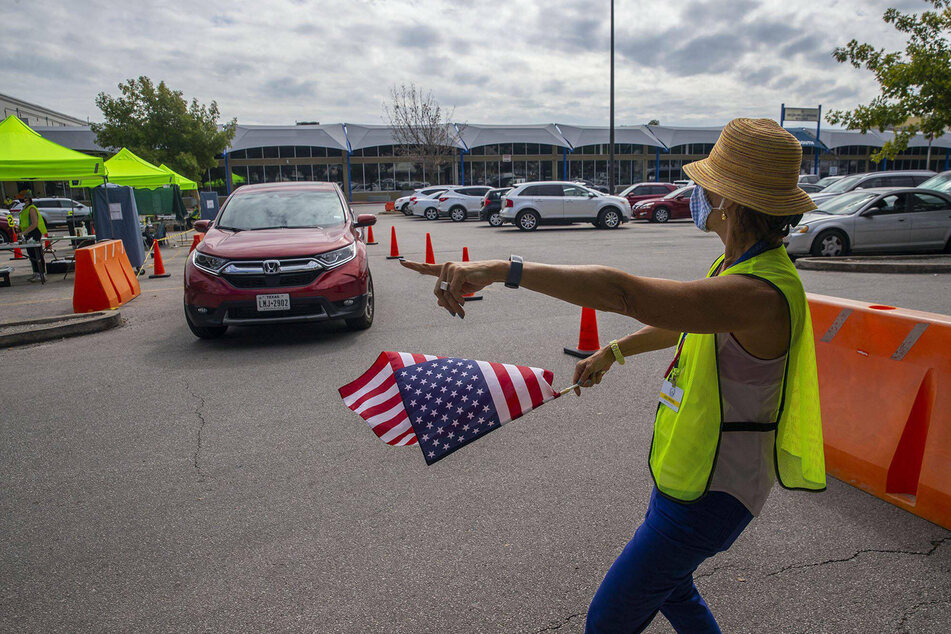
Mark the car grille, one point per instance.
(296, 310)
(302, 278)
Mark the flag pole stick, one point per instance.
(568, 389)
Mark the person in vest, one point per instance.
(32, 229)
(737, 409)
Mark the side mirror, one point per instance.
(365, 220)
(202, 226)
(591, 195)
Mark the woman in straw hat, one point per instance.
(738, 407)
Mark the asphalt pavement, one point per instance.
(155, 482)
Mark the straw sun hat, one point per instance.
(755, 163)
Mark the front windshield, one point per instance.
(939, 183)
(843, 185)
(677, 192)
(290, 209)
(846, 204)
(828, 180)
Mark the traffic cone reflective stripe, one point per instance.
(588, 336)
(394, 247)
(370, 239)
(158, 265)
(471, 297)
(430, 256)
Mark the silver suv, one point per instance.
(56, 211)
(461, 203)
(562, 203)
(870, 180)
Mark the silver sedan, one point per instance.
(883, 219)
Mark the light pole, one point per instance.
(611, 182)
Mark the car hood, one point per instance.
(647, 201)
(819, 197)
(274, 243)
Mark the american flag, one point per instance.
(443, 403)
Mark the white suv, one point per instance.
(459, 204)
(562, 203)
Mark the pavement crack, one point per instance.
(902, 625)
(557, 626)
(935, 544)
(196, 458)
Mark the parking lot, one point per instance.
(157, 482)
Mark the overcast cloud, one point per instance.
(513, 61)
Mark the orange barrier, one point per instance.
(885, 389)
(389, 206)
(588, 342)
(104, 278)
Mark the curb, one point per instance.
(75, 325)
(927, 264)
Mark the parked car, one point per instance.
(939, 183)
(492, 205)
(828, 180)
(7, 233)
(279, 253)
(402, 203)
(808, 179)
(683, 183)
(908, 178)
(464, 202)
(645, 191)
(56, 211)
(811, 188)
(674, 205)
(427, 206)
(562, 203)
(879, 219)
(592, 185)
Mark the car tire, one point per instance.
(3, 238)
(609, 218)
(405, 209)
(831, 243)
(495, 219)
(365, 320)
(205, 332)
(457, 214)
(431, 214)
(527, 220)
(661, 214)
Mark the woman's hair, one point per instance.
(764, 226)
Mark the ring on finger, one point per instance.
(444, 286)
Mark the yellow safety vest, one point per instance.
(686, 442)
(25, 219)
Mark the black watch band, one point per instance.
(515, 272)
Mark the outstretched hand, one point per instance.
(457, 279)
(590, 371)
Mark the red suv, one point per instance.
(645, 191)
(280, 253)
(674, 205)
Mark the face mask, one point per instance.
(700, 208)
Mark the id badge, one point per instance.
(671, 396)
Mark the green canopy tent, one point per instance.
(125, 168)
(26, 156)
(185, 184)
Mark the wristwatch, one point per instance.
(515, 272)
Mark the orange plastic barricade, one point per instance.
(127, 270)
(101, 281)
(885, 389)
(389, 206)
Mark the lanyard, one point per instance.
(680, 348)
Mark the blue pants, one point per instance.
(655, 570)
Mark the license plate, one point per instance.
(276, 301)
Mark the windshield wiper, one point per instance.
(235, 229)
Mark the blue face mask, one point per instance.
(700, 208)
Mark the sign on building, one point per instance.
(801, 114)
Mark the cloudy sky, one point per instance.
(511, 61)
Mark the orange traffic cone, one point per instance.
(195, 240)
(394, 247)
(430, 256)
(370, 238)
(471, 297)
(18, 254)
(158, 266)
(588, 336)
(47, 244)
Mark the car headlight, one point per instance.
(208, 263)
(337, 257)
(800, 229)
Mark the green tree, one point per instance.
(915, 84)
(159, 125)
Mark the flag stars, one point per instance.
(431, 454)
(468, 387)
(453, 393)
(445, 417)
(464, 428)
(471, 415)
(486, 408)
(458, 382)
(429, 372)
(429, 425)
(480, 391)
(465, 399)
(438, 401)
(450, 435)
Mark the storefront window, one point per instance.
(492, 174)
(237, 154)
(271, 152)
(272, 173)
(255, 174)
(335, 174)
(254, 153)
(302, 151)
(286, 151)
(545, 171)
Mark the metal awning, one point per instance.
(250, 136)
(578, 136)
(807, 138)
(672, 136)
(476, 135)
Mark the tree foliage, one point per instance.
(915, 83)
(158, 124)
(421, 128)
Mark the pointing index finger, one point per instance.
(422, 268)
